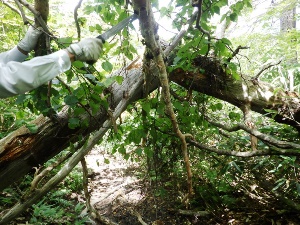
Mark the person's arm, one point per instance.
(12, 55)
(26, 45)
(17, 78)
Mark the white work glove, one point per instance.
(28, 43)
(87, 50)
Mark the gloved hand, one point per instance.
(87, 50)
(28, 43)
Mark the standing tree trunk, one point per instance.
(42, 6)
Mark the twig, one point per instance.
(194, 213)
(40, 176)
(76, 19)
(246, 154)
(263, 137)
(25, 20)
(249, 123)
(265, 67)
(37, 15)
(11, 7)
(198, 25)
(180, 35)
(236, 52)
(140, 219)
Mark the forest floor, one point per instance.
(122, 196)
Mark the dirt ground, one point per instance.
(122, 198)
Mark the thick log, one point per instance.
(260, 95)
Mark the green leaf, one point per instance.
(107, 82)
(71, 100)
(220, 47)
(107, 66)
(177, 105)
(79, 111)
(216, 9)
(233, 17)
(226, 41)
(203, 50)
(280, 182)
(119, 79)
(237, 167)
(234, 116)
(298, 188)
(33, 128)
(78, 64)
(139, 151)
(73, 123)
(136, 135)
(219, 106)
(146, 106)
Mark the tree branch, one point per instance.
(149, 32)
(265, 67)
(22, 13)
(76, 19)
(37, 15)
(236, 51)
(246, 154)
(11, 7)
(263, 137)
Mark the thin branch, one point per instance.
(11, 7)
(246, 154)
(40, 176)
(263, 137)
(236, 51)
(180, 35)
(198, 23)
(25, 20)
(37, 15)
(246, 108)
(265, 67)
(147, 23)
(76, 19)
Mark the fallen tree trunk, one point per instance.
(261, 96)
(21, 150)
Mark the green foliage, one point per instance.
(146, 135)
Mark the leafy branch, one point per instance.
(148, 24)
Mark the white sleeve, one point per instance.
(12, 55)
(18, 78)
